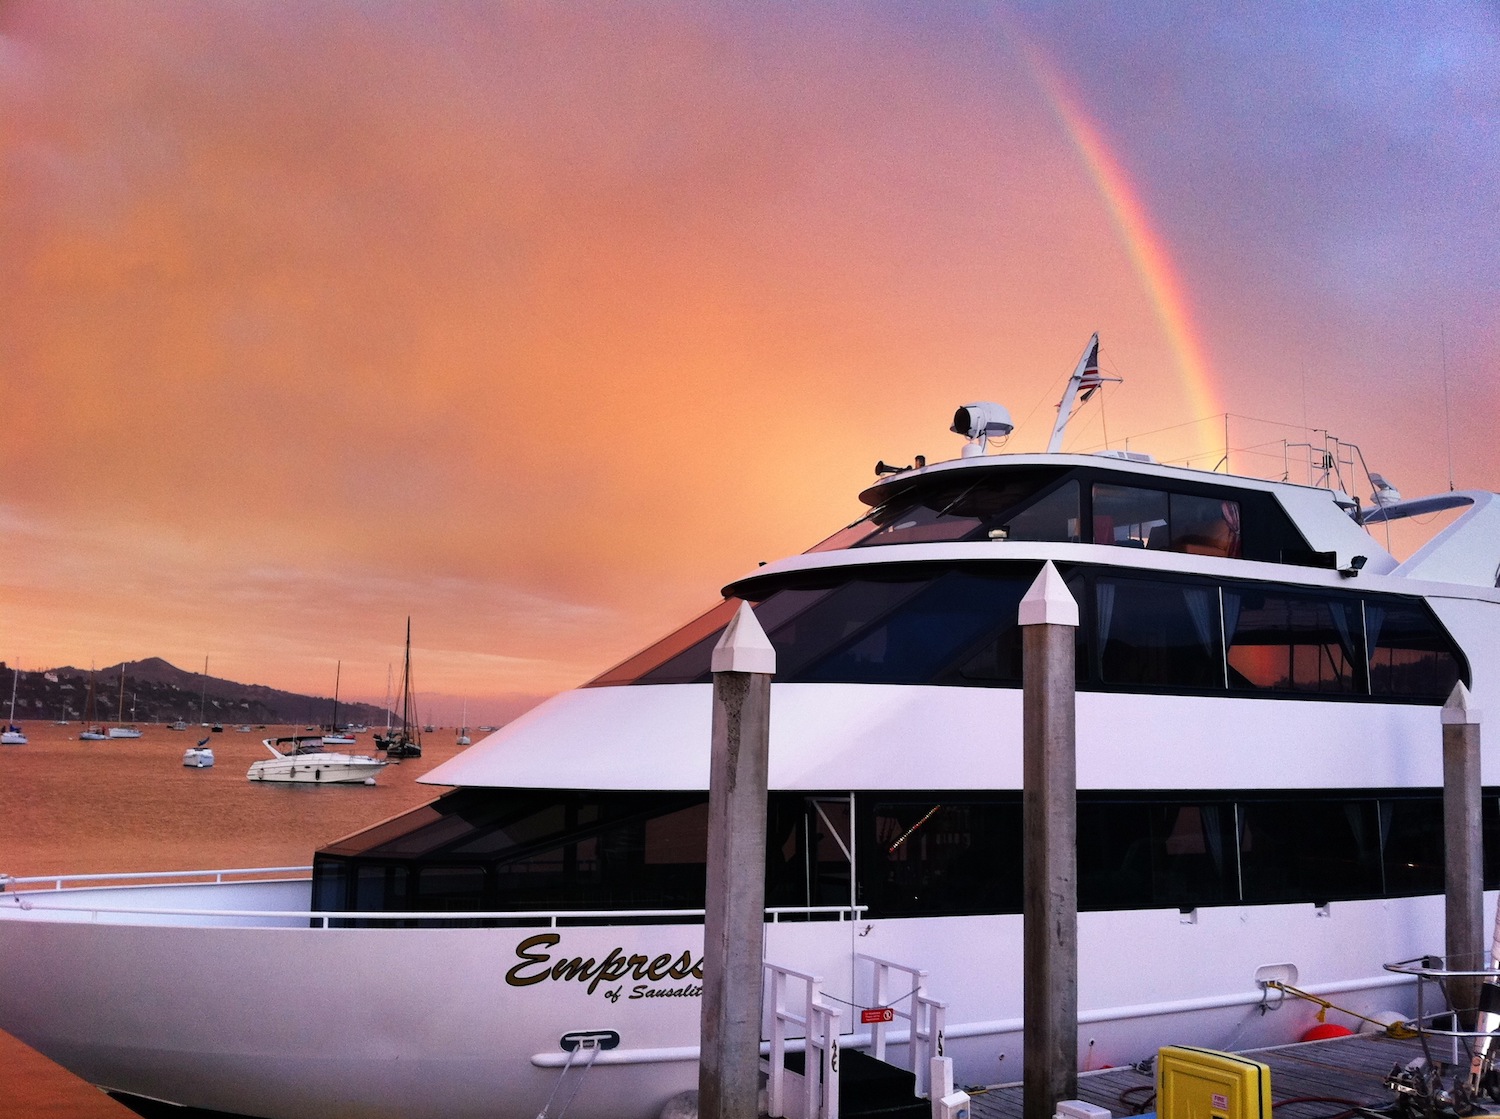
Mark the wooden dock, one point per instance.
(1310, 1080)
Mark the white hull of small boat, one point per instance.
(124, 732)
(12, 738)
(314, 767)
(196, 758)
(93, 736)
(332, 769)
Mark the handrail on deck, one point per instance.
(9, 881)
(1434, 969)
(321, 918)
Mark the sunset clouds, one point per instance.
(540, 323)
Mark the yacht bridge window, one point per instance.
(956, 625)
(1088, 505)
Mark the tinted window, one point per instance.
(1291, 643)
(1413, 847)
(1297, 850)
(1158, 634)
(944, 856)
(1129, 516)
(987, 507)
(1410, 655)
(1152, 856)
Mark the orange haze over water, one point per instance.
(539, 324)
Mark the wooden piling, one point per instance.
(734, 920)
(1463, 844)
(1049, 799)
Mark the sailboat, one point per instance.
(463, 727)
(12, 735)
(406, 742)
(333, 733)
(92, 730)
(121, 729)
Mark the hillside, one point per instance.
(158, 692)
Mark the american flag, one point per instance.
(1090, 382)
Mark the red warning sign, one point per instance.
(879, 1014)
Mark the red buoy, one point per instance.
(1324, 1030)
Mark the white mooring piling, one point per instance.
(1463, 842)
(734, 917)
(1049, 814)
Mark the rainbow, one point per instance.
(1146, 248)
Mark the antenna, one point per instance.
(1447, 414)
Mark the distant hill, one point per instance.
(158, 692)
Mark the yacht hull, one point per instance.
(306, 771)
(461, 1022)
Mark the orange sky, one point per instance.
(540, 323)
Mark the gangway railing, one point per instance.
(795, 1007)
(925, 1016)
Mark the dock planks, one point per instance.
(1309, 1080)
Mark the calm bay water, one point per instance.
(71, 807)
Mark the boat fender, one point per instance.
(1381, 1020)
(684, 1105)
(1324, 1030)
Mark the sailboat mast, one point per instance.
(406, 685)
(203, 699)
(337, 672)
(121, 716)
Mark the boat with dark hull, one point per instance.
(1259, 773)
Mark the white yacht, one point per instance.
(1258, 758)
(307, 760)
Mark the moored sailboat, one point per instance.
(333, 733)
(122, 729)
(405, 742)
(93, 730)
(12, 734)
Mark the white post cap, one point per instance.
(744, 646)
(1049, 602)
(1458, 712)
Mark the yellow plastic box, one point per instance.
(1204, 1084)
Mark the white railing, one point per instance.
(801, 1013)
(38, 893)
(65, 881)
(892, 985)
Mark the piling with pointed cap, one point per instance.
(1463, 844)
(1049, 797)
(734, 918)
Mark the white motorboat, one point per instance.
(200, 756)
(297, 760)
(1258, 758)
